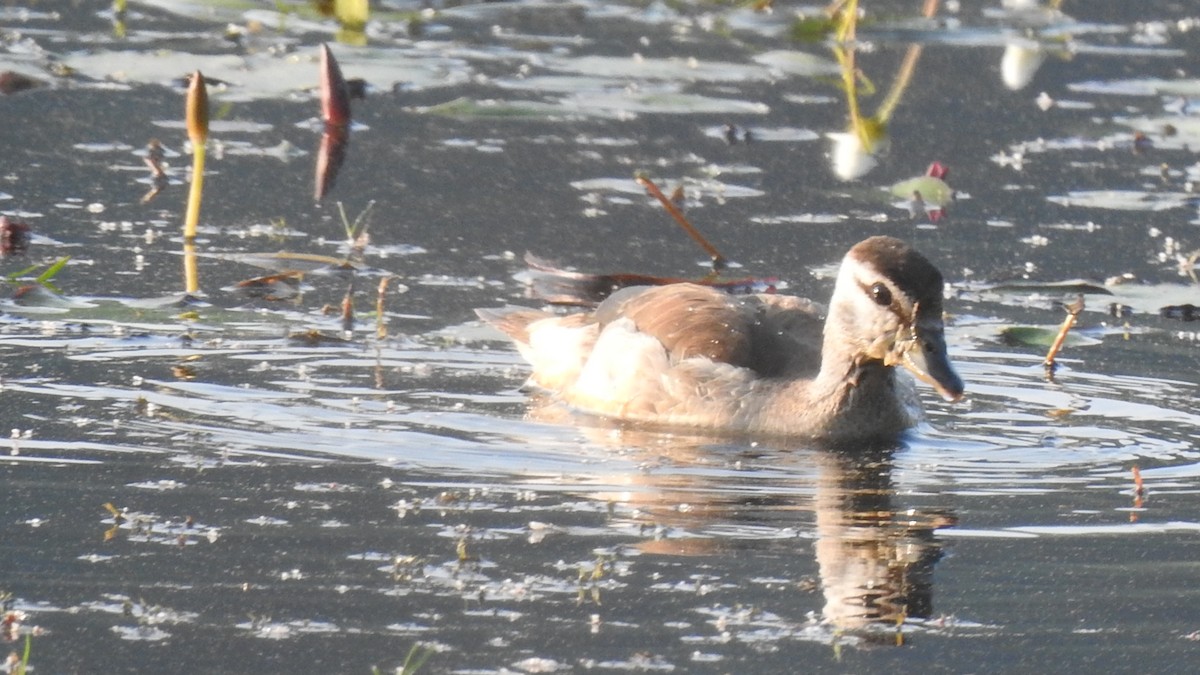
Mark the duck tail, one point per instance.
(512, 321)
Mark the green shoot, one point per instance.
(359, 227)
(24, 665)
(417, 656)
(44, 279)
(52, 270)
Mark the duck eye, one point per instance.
(880, 294)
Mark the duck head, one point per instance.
(887, 307)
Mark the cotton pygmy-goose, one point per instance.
(685, 355)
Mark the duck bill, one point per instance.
(928, 361)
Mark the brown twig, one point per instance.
(380, 326)
(154, 158)
(719, 261)
(1190, 265)
(348, 309)
(1068, 323)
(1139, 494)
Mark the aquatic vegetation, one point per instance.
(286, 494)
(567, 287)
(14, 236)
(196, 109)
(719, 261)
(926, 195)
(335, 116)
(417, 655)
(1056, 346)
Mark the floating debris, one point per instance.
(719, 261)
(734, 135)
(1185, 312)
(274, 287)
(12, 82)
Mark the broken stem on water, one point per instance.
(1068, 323)
(719, 261)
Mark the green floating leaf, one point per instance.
(290, 263)
(813, 28)
(800, 63)
(934, 191)
(417, 656)
(1035, 336)
(164, 302)
(468, 107)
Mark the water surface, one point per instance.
(240, 485)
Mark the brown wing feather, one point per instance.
(773, 335)
(689, 320)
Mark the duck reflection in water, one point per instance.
(875, 559)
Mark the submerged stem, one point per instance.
(191, 277)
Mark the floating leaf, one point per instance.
(934, 191)
(1075, 286)
(660, 102)
(468, 107)
(623, 68)
(813, 28)
(1123, 200)
(1036, 336)
(291, 263)
(38, 295)
(172, 301)
(799, 63)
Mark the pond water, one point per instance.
(224, 483)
